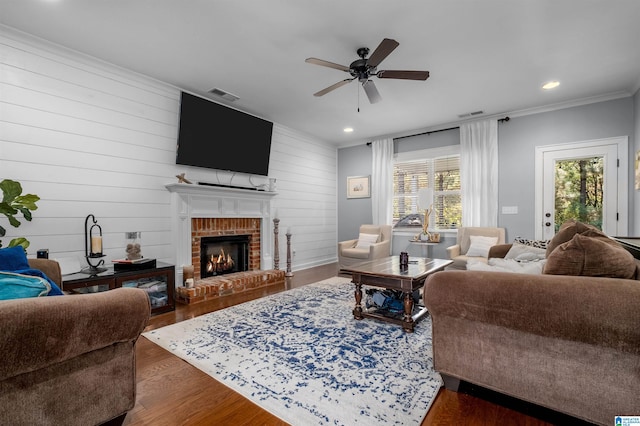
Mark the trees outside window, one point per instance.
(579, 191)
(440, 173)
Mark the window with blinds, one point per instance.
(443, 175)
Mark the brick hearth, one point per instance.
(237, 282)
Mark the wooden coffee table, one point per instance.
(387, 273)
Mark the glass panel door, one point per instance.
(580, 184)
(579, 191)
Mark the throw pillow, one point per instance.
(566, 232)
(532, 243)
(590, 256)
(365, 240)
(480, 245)
(596, 233)
(522, 252)
(506, 265)
(13, 259)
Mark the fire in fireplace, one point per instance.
(223, 254)
(220, 263)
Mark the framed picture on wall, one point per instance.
(358, 187)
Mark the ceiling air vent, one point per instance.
(471, 114)
(224, 95)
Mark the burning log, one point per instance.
(220, 263)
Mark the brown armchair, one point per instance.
(69, 359)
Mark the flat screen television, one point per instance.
(217, 137)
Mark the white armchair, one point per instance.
(373, 242)
(460, 252)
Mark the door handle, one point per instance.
(547, 224)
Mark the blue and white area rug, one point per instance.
(302, 356)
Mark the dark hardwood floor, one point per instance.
(172, 392)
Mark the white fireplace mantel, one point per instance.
(203, 201)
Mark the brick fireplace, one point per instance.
(201, 228)
(200, 210)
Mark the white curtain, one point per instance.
(382, 182)
(479, 173)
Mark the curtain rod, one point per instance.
(500, 120)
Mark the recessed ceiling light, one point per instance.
(551, 85)
(348, 129)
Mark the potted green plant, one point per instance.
(13, 203)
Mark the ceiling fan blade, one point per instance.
(383, 50)
(323, 63)
(333, 87)
(405, 75)
(371, 91)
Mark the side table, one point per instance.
(427, 247)
(158, 282)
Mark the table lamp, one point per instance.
(425, 202)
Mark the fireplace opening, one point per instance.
(224, 254)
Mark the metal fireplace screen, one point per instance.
(224, 254)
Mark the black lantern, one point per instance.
(93, 246)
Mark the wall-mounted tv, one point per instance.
(214, 136)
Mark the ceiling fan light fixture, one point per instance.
(551, 85)
(364, 68)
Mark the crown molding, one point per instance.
(570, 104)
(512, 114)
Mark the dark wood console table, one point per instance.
(158, 282)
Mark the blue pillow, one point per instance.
(16, 286)
(13, 259)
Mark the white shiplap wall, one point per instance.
(306, 202)
(89, 137)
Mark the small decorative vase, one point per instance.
(133, 249)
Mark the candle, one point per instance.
(289, 230)
(187, 271)
(96, 245)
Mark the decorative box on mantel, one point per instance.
(202, 201)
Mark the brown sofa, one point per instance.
(569, 343)
(69, 360)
